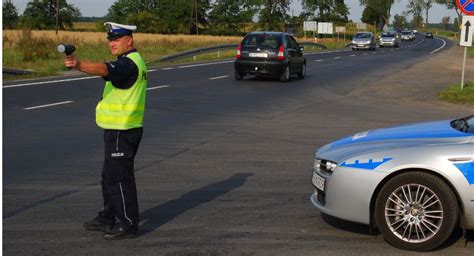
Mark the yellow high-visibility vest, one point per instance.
(123, 109)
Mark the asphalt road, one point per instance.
(223, 167)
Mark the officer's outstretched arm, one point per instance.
(91, 68)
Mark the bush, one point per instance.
(34, 48)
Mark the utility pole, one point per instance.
(57, 16)
(194, 14)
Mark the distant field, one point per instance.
(85, 26)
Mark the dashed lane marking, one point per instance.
(218, 77)
(157, 87)
(49, 105)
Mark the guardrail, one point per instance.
(13, 71)
(194, 52)
(215, 48)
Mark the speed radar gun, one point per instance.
(67, 49)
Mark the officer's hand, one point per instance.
(71, 61)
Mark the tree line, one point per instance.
(215, 17)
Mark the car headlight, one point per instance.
(324, 165)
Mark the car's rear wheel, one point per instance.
(238, 75)
(286, 75)
(302, 73)
(416, 211)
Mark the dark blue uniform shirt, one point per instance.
(123, 72)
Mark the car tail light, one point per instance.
(238, 51)
(281, 53)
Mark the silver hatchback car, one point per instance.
(389, 39)
(415, 183)
(364, 40)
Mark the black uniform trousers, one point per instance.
(118, 180)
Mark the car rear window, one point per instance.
(269, 41)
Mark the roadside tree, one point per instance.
(400, 21)
(273, 14)
(10, 15)
(380, 8)
(446, 20)
(41, 14)
(326, 10)
(228, 17)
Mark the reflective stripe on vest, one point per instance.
(122, 109)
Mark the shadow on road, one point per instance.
(364, 230)
(348, 225)
(155, 217)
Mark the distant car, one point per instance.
(415, 183)
(389, 39)
(415, 31)
(407, 35)
(275, 54)
(364, 40)
(429, 35)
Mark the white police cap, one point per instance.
(115, 30)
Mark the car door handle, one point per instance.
(460, 159)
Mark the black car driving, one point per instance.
(275, 54)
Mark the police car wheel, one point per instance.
(416, 211)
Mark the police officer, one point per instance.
(120, 113)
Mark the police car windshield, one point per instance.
(465, 124)
(263, 40)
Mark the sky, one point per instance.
(99, 8)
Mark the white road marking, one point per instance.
(319, 60)
(337, 57)
(157, 87)
(353, 55)
(364, 54)
(444, 44)
(50, 82)
(152, 70)
(168, 68)
(205, 64)
(218, 77)
(49, 105)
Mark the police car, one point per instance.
(415, 182)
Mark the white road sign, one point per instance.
(467, 30)
(340, 29)
(310, 26)
(325, 28)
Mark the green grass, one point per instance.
(470, 51)
(454, 94)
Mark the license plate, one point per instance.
(361, 45)
(319, 182)
(258, 54)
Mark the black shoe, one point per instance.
(121, 232)
(99, 224)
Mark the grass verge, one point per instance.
(454, 94)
